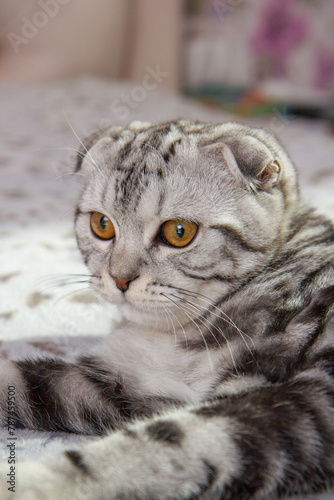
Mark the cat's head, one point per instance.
(176, 215)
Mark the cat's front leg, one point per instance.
(51, 394)
(37, 481)
(261, 443)
(163, 458)
(85, 397)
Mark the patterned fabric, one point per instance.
(259, 40)
(287, 30)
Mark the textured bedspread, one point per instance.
(42, 311)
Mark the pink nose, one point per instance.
(122, 284)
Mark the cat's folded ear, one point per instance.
(90, 152)
(249, 159)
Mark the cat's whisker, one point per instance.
(90, 161)
(188, 314)
(242, 334)
(194, 306)
(170, 321)
(68, 173)
(155, 317)
(62, 277)
(43, 284)
(182, 328)
(225, 317)
(93, 164)
(198, 318)
(60, 283)
(218, 329)
(211, 303)
(267, 266)
(166, 315)
(69, 294)
(56, 288)
(48, 284)
(77, 151)
(199, 329)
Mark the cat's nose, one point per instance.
(122, 284)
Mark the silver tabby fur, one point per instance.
(219, 382)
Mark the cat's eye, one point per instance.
(102, 226)
(178, 232)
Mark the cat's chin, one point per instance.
(144, 316)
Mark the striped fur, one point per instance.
(219, 382)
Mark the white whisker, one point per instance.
(218, 329)
(193, 321)
(69, 294)
(77, 151)
(170, 321)
(68, 173)
(94, 164)
(182, 328)
(222, 315)
(56, 282)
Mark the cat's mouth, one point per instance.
(144, 312)
(127, 299)
(141, 304)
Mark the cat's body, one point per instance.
(226, 281)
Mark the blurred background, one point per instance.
(245, 56)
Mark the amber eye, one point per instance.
(179, 232)
(102, 226)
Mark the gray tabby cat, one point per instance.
(219, 383)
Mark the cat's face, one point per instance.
(167, 222)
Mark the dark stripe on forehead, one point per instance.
(170, 152)
(158, 139)
(125, 150)
(162, 130)
(154, 137)
(131, 186)
(129, 182)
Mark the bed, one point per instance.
(42, 312)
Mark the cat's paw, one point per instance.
(27, 494)
(54, 479)
(33, 481)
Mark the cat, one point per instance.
(219, 382)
